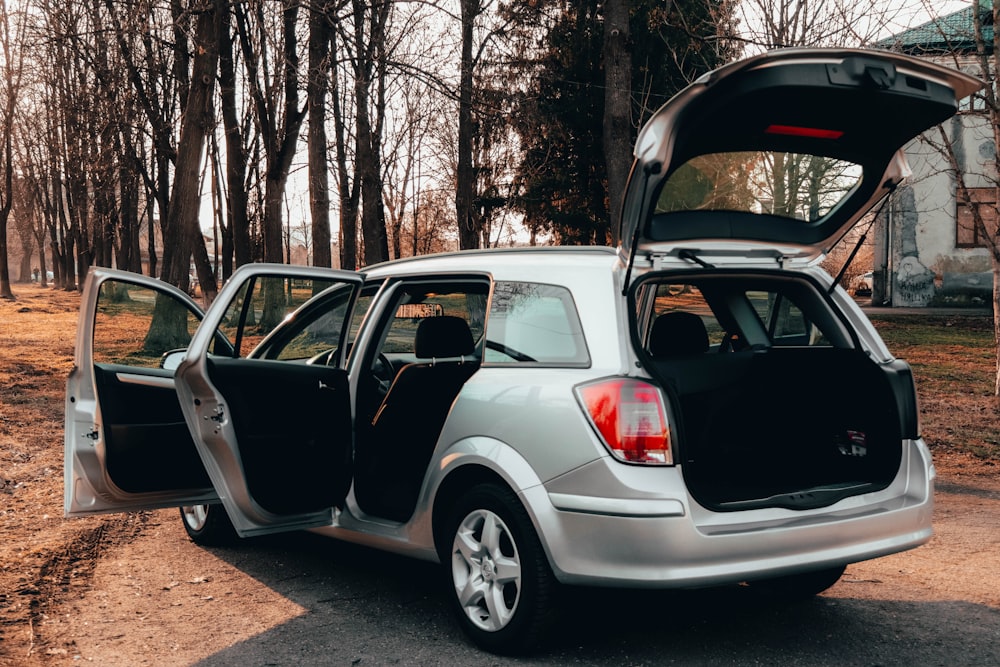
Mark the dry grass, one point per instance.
(953, 361)
(43, 557)
(37, 332)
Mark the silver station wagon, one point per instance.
(698, 407)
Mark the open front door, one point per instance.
(126, 442)
(272, 417)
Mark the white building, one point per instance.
(927, 251)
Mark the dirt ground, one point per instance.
(71, 590)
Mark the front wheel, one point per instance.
(501, 586)
(208, 525)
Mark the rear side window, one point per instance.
(534, 324)
(785, 322)
(738, 313)
(683, 297)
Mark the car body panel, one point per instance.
(662, 547)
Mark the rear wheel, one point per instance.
(501, 586)
(208, 525)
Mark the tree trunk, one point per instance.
(465, 175)
(348, 228)
(996, 321)
(376, 245)
(5, 291)
(236, 155)
(617, 109)
(185, 197)
(320, 29)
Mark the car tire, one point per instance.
(208, 525)
(499, 581)
(800, 586)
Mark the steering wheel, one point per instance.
(383, 372)
(323, 358)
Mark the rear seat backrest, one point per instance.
(678, 334)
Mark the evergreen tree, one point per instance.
(562, 174)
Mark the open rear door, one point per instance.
(127, 445)
(272, 426)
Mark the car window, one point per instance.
(265, 302)
(420, 301)
(684, 297)
(785, 322)
(320, 334)
(741, 313)
(136, 326)
(790, 185)
(532, 323)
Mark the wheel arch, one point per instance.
(476, 461)
(453, 486)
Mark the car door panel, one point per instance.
(127, 445)
(148, 445)
(287, 418)
(275, 436)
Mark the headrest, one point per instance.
(678, 334)
(445, 336)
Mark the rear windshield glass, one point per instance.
(789, 185)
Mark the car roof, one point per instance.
(524, 263)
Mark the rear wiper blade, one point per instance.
(691, 256)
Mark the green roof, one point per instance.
(953, 33)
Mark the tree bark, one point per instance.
(185, 198)
(376, 245)
(320, 29)
(349, 191)
(617, 110)
(236, 154)
(465, 176)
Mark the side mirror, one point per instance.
(171, 359)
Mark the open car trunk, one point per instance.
(775, 403)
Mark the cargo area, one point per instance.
(775, 404)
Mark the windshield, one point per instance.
(789, 185)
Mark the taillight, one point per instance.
(631, 418)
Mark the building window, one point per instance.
(967, 233)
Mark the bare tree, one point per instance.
(198, 119)
(10, 79)
(772, 24)
(321, 19)
(275, 95)
(236, 242)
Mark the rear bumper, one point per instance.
(660, 541)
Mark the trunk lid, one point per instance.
(778, 156)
